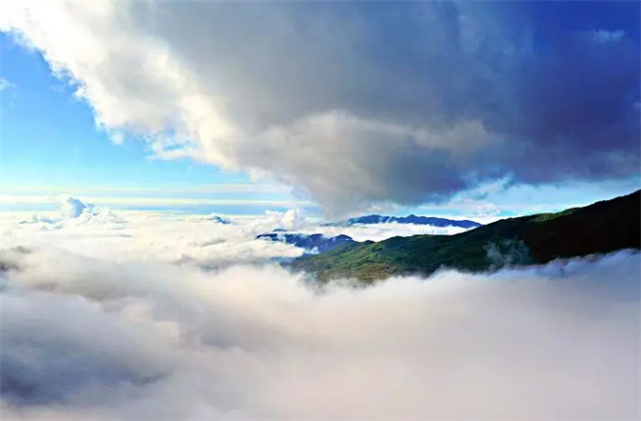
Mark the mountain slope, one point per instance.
(599, 228)
(411, 219)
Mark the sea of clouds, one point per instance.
(176, 237)
(119, 316)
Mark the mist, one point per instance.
(91, 338)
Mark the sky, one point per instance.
(125, 124)
(470, 110)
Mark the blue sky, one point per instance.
(51, 145)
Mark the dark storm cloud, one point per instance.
(360, 103)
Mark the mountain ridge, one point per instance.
(410, 219)
(601, 227)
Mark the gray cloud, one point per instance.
(92, 339)
(356, 103)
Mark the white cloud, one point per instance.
(201, 189)
(380, 232)
(123, 318)
(94, 339)
(188, 239)
(75, 212)
(82, 227)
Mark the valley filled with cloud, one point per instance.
(132, 315)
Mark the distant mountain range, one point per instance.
(321, 244)
(316, 243)
(602, 227)
(220, 220)
(411, 219)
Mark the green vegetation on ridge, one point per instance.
(599, 228)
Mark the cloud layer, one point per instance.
(196, 240)
(92, 339)
(147, 315)
(355, 103)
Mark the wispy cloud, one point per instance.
(231, 194)
(5, 84)
(153, 201)
(252, 187)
